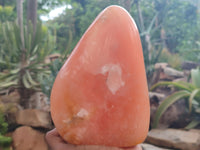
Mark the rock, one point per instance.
(34, 118)
(155, 95)
(155, 99)
(173, 138)
(10, 118)
(158, 73)
(175, 116)
(146, 146)
(184, 79)
(12, 97)
(195, 130)
(164, 77)
(173, 72)
(7, 108)
(170, 74)
(26, 138)
(9, 102)
(188, 65)
(51, 58)
(164, 72)
(161, 65)
(155, 77)
(39, 101)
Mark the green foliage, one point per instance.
(8, 2)
(148, 20)
(3, 125)
(189, 91)
(76, 21)
(174, 60)
(173, 24)
(63, 28)
(4, 141)
(181, 23)
(70, 26)
(168, 102)
(195, 77)
(47, 82)
(23, 66)
(6, 13)
(45, 6)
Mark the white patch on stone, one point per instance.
(67, 121)
(114, 79)
(82, 113)
(105, 69)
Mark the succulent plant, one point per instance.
(185, 90)
(23, 66)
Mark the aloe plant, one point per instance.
(22, 65)
(188, 91)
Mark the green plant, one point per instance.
(4, 141)
(185, 90)
(47, 81)
(174, 60)
(6, 13)
(23, 63)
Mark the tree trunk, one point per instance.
(32, 13)
(23, 50)
(20, 19)
(147, 35)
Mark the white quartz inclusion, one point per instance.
(114, 79)
(82, 113)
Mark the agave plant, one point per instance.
(185, 90)
(22, 66)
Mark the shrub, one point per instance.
(4, 141)
(188, 91)
(174, 60)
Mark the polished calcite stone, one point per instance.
(100, 95)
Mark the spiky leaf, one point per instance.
(179, 85)
(192, 124)
(168, 102)
(191, 98)
(195, 74)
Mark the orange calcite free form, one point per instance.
(100, 95)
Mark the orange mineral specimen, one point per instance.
(100, 95)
